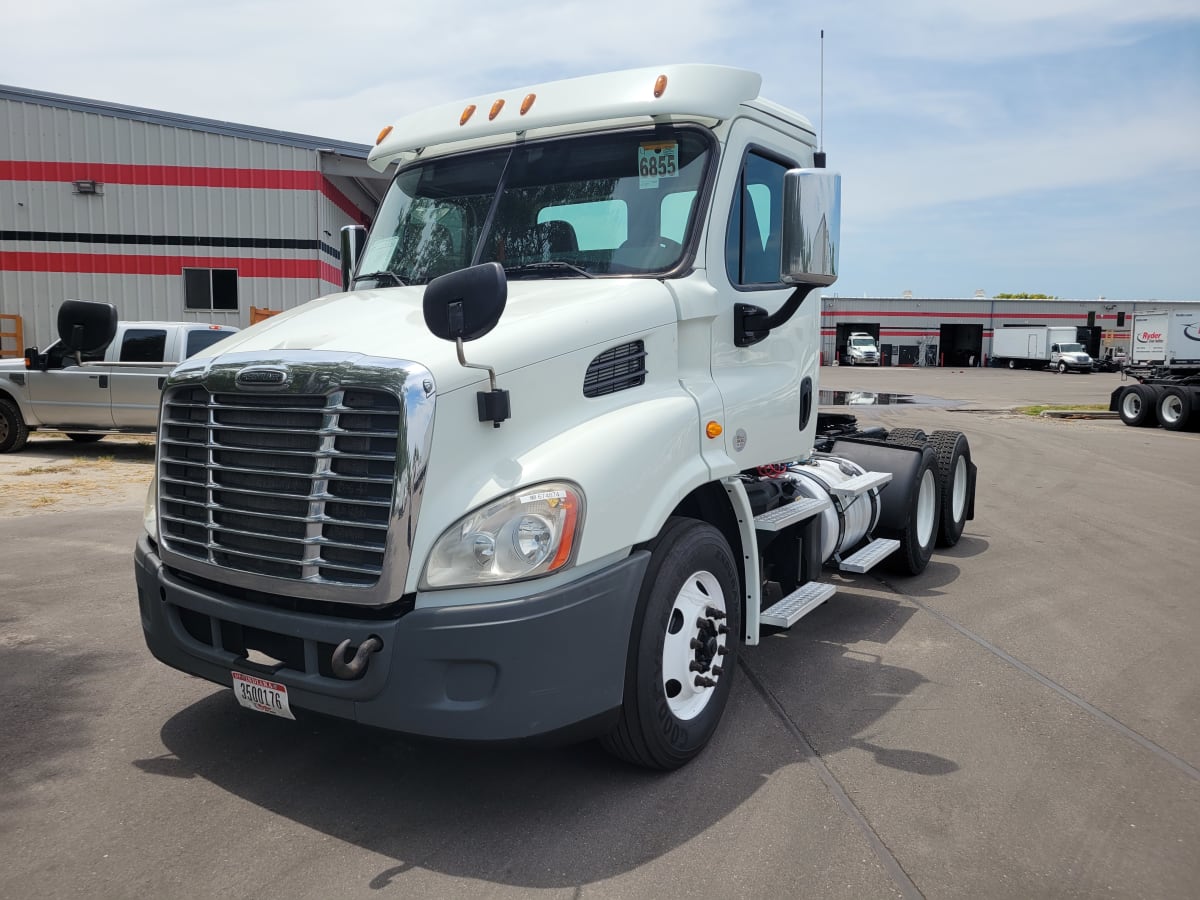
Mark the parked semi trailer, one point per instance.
(1165, 364)
(553, 461)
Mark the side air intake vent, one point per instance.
(615, 370)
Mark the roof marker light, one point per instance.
(660, 86)
(382, 134)
(527, 102)
(496, 107)
(467, 113)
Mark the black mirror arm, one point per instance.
(752, 324)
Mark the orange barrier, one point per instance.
(17, 333)
(258, 313)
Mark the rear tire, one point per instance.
(1175, 410)
(689, 593)
(907, 436)
(954, 479)
(13, 430)
(1136, 406)
(919, 533)
(1012, 363)
(81, 438)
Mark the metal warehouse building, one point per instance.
(166, 216)
(914, 331)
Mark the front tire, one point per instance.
(1062, 368)
(13, 430)
(683, 649)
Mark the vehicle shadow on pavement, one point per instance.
(59, 446)
(537, 817)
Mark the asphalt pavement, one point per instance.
(1022, 720)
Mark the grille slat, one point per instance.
(287, 486)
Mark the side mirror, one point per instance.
(467, 304)
(812, 222)
(354, 237)
(86, 326)
(35, 360)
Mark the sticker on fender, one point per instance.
(261, 695)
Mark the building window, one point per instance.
(210, 289)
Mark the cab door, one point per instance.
(768, 389)
(138, 374)
(68, 395)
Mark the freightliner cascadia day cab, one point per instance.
(554, 458)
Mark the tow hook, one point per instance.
(358, 665)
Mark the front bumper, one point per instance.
(495, 671)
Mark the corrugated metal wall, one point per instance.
(171, 198)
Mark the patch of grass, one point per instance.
(46, 470)
(1081, 407)
(41, 501)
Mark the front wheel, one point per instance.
(683, 648)
(1062, 368)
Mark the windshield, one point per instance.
(1070, 348)
(862, 342)
(622, 203)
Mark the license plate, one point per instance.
(261, 695)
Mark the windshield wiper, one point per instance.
(549, 265)
(379, 276)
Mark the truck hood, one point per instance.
(542, 319)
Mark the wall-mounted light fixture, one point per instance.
(86, 186)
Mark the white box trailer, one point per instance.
(1040, 346)
(1165, 364)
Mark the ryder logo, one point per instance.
(1147, 336)
(1192, 332)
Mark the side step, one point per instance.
(798, 604)
(781, 517)
(866, 558)
(860, 484)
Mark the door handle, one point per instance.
(103, 381)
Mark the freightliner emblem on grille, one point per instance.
(260, 376)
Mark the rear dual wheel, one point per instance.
(919, 534)
(1136, 405)
(953, 453)
(1175, 409)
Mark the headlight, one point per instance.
(525, 534)
(150, 510)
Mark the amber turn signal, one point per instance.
(713, 429)
(382, 134)
(527, 102)
(660, 85)
(467, 113)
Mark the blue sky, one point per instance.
(1045, 146)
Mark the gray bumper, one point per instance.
(494, 671)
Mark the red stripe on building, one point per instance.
(344, 203)
(140, 264)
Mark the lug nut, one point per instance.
(721, 629)
(721, 651)
(718, 671)
(713, 613)
(696, 644)
(702, 682)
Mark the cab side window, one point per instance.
(144, 345)
(752, 243)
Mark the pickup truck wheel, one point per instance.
(1175, 408)
(918, 536)
(13, 430)
(953, 453)
(683, 649)
(1136, 406)
(80, 438)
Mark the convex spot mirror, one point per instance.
(86, 326)
(466, 304)
(812, 222)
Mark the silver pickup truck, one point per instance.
(90, 391)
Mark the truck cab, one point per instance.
(861, 349)
(547, 464)
(1070, 357)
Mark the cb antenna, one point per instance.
(819, 156)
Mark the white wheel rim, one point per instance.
(691, 622)
(1172, 409)
(1132, 405)
(926, 511)
(959, 503)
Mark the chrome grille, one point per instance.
(294, 486)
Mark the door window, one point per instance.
(144, 345)
(752, 244)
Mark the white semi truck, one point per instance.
(1040, 346)
(1165, 364)
(554, 458)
